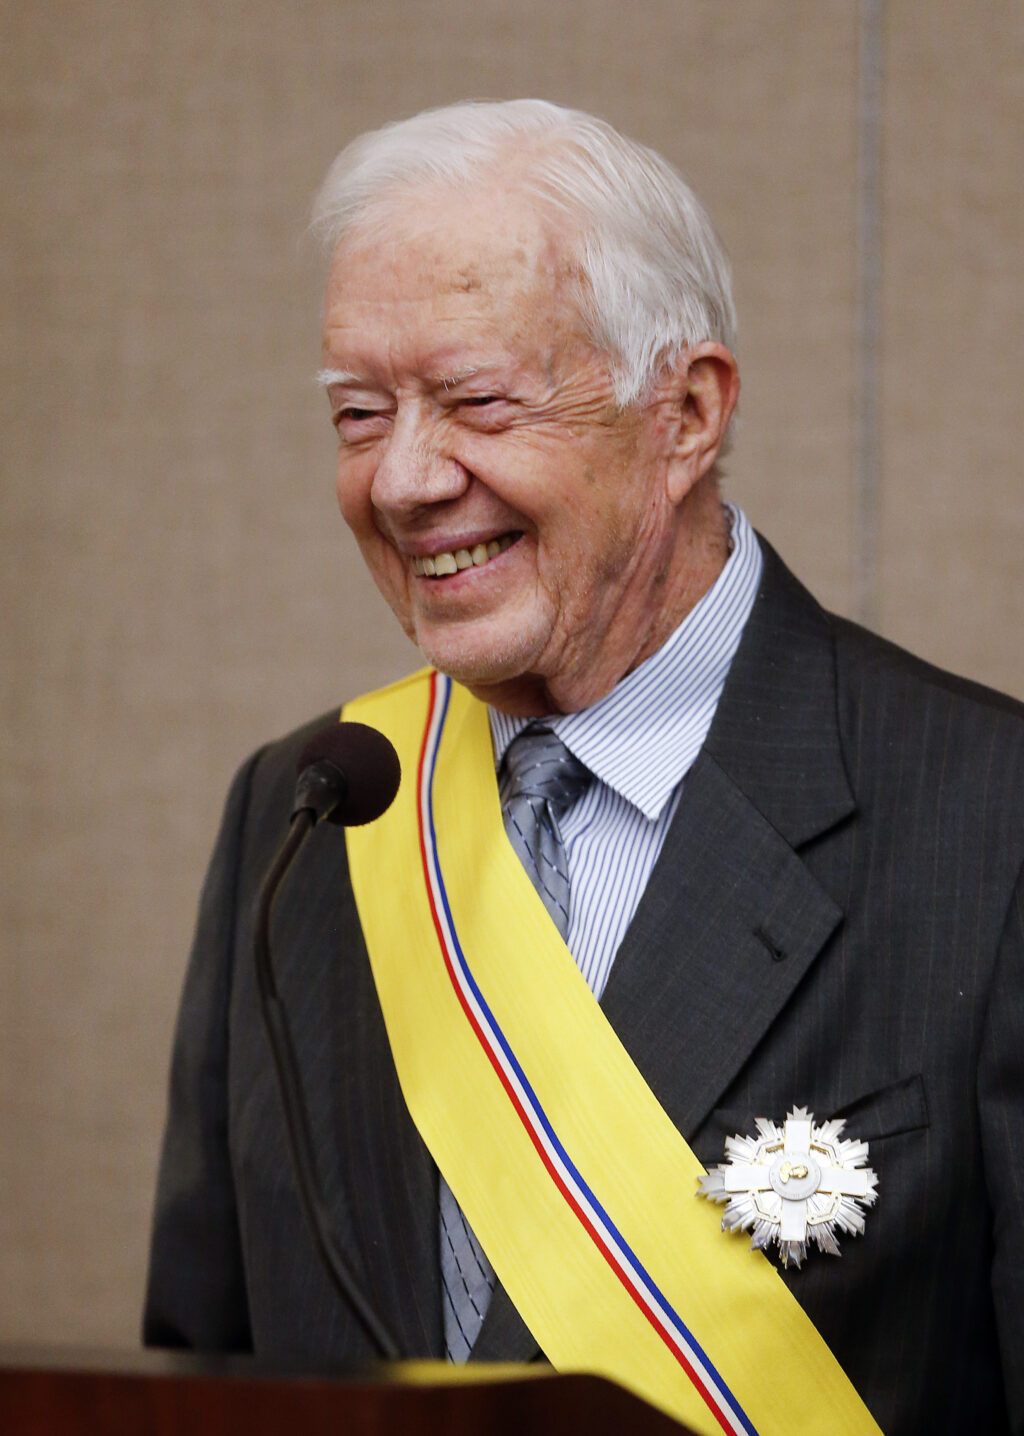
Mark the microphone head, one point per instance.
(348, 773)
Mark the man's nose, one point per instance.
(416, 467)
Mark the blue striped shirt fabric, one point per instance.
(640, 741)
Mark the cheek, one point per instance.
(352, 485)
(388, 571)
(606, 526)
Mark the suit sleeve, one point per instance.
(1001, 1100)
(196, 1293)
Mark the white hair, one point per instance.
(655, 280)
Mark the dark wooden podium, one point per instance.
(67, 1393)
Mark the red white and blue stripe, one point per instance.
(578, 1195)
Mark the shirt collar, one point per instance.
(644, 736)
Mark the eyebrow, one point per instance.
(326, 377)
(451, 381)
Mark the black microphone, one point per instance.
(349, 774)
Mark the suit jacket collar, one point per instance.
(776, 730)
(732, 918)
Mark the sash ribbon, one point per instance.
(578, 1186)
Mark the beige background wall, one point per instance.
(175, 584)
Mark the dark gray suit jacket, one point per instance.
(836, 921)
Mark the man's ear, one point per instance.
(705, 387)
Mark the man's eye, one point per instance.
(354, 425)
(357, 428)
(486, 411)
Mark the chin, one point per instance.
(476, 661)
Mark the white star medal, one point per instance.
(793, 1185)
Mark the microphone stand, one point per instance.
(296, 1117)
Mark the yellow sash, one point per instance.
(580, 1189)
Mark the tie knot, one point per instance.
(539, 765)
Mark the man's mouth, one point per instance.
(440, 565)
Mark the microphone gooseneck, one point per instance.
(348, 774)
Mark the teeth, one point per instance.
(439, 565)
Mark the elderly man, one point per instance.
(643, 768)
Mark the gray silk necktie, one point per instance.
(539, 782)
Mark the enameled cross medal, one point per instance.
(793, 1185)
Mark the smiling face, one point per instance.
(522, 527)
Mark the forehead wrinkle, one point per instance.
(473, 292)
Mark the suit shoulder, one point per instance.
(914, 733)
(866, 659)
(263, 786)
(278, 758)
(281, 755)
(265, 783)
(868, 663)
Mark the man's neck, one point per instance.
(700, 556)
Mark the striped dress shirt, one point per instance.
(640, 741)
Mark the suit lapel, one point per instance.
(732, 919)
(729, 924)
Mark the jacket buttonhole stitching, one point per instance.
(776, 951)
